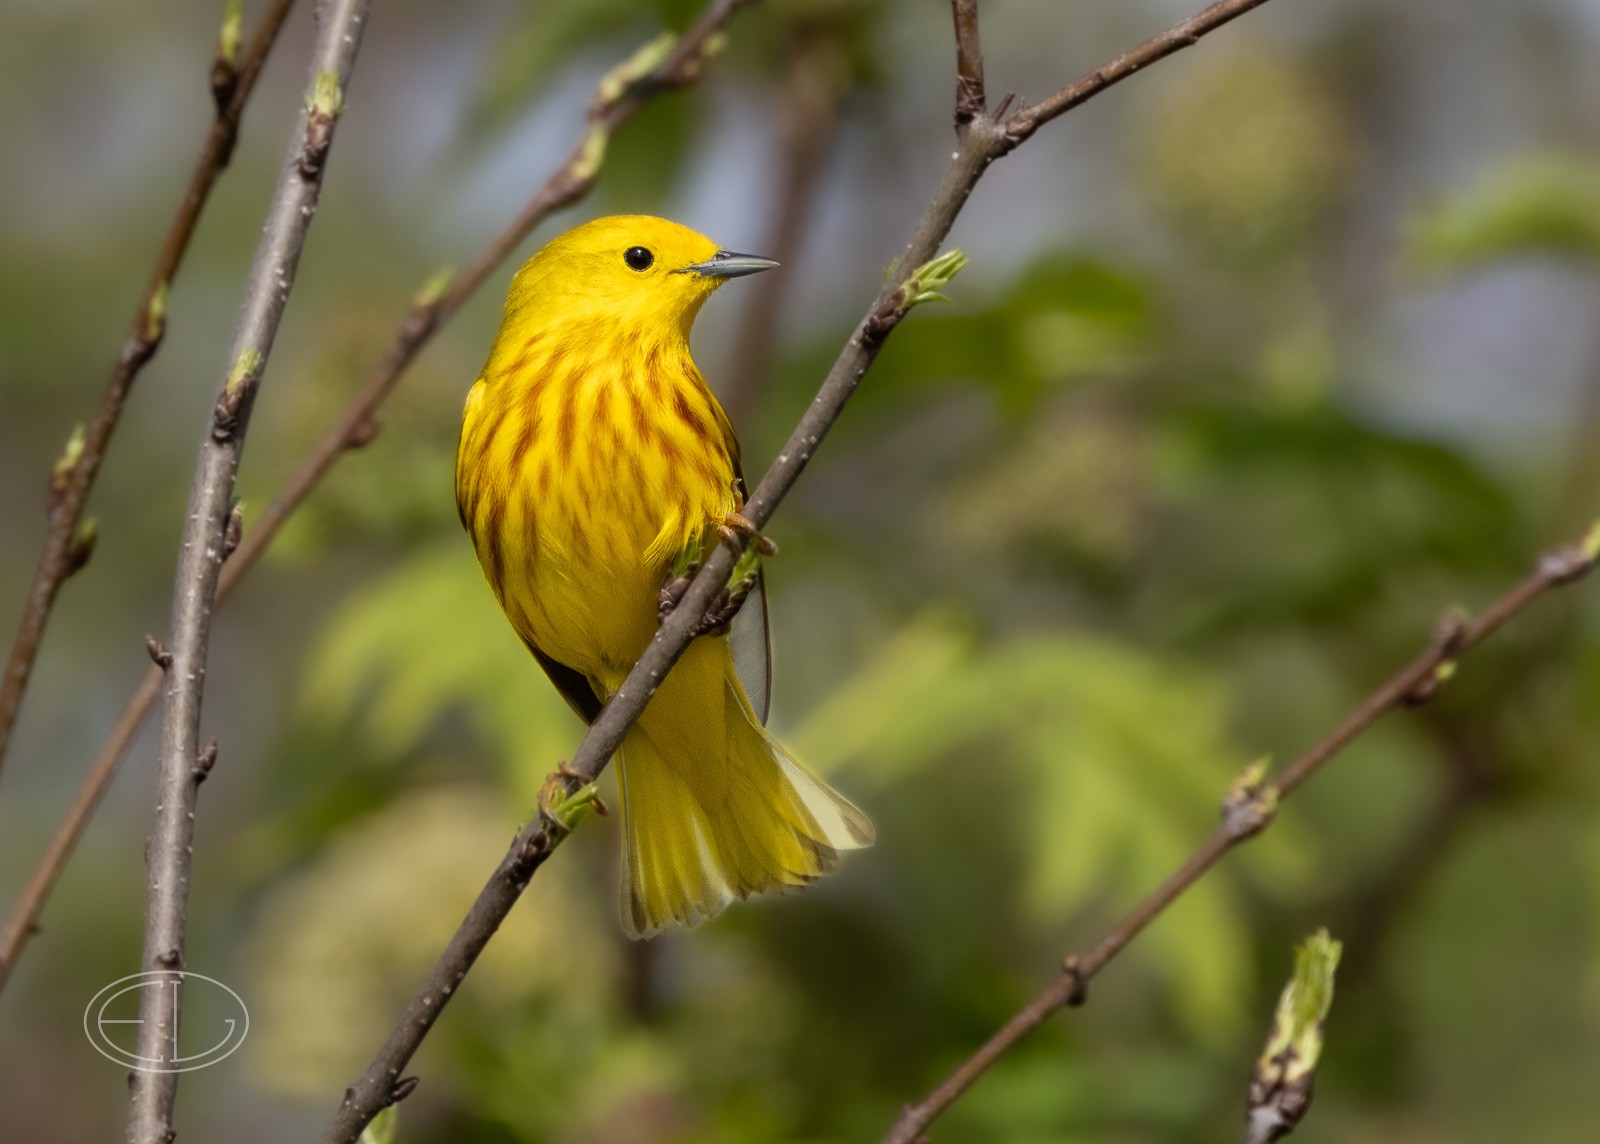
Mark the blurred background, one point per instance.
(1263, 359)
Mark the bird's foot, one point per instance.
(735, 525)
(724, 605)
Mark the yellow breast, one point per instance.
(586, 464)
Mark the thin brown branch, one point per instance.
(1248, 810)
(205, 544)
(971, 101)
(1182, 35)
(620, 96)
(68, 540)
(979, 144)
(24, 920)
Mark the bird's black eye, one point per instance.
(638, 257)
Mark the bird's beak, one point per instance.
(727, 264)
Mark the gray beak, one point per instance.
(727, 264)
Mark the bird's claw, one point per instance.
(719, 613)
(735, 525)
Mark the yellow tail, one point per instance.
(713, 807)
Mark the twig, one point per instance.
(1249, 809)
(204, 546)
(68, 540)
(971, 101)
(663, 65)
(1182, 35)
(625, 90)
(979, 143)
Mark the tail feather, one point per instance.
(714, 808)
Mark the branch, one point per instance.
(68, 539)
(655, 69)
(971, 101)
(979, 143)
(1249, 809)
(1182, 35)
(206, 538)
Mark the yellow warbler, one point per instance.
(593, 463)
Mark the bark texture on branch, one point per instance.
(628, 88)
(1248, 809)
(204, 546)
(69, 540)
(980, 142)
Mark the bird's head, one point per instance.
(647, 273)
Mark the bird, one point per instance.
(595, 470)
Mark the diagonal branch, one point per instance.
(1182, 35)
(206, 536)
(982, 141)
(68, 540)
(1249, 809)
(624, 91)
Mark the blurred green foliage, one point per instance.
(1130, 513)
(1534, 204)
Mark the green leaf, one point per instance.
(384, 1128)
(429, 639)
(1534, 204)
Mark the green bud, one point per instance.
(247, 365)
(1295, 1042)
(616, 82)
(232, 27)
(155, 314)
(568, 811)
(591, 154)
(932, 276)
(82, 546)
(433, 289)
(1250, 779)
(327, 100)
(71, 455)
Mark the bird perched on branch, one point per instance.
(594, 473)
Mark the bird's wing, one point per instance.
(572, 683)
(750, 635)
(750, 641)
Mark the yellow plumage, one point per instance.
(592, 455)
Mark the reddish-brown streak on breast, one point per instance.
(530, 530)
(489, 529)
(520, 364)
(566, 428)
(684, 408)
(670, 455)
(704, 470)
(528, 429)
(644, 427)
